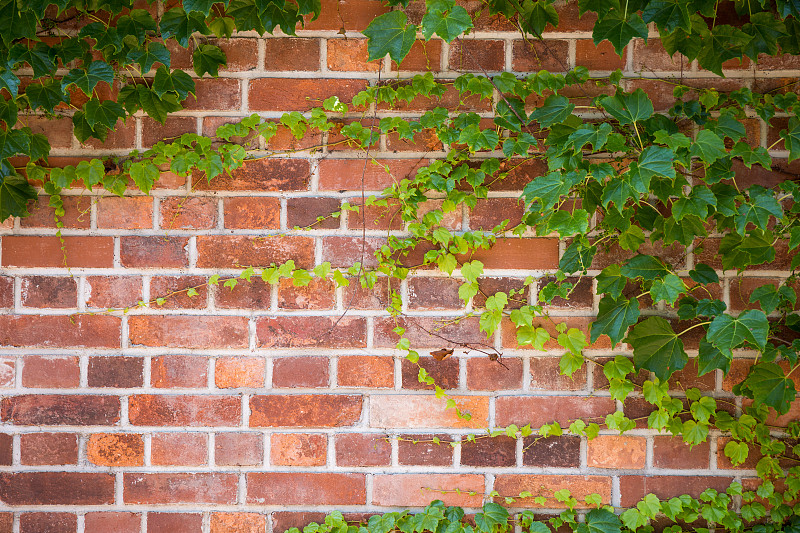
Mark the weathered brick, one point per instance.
(418, 331)
(188, 213)
(284, 488)
(8, 371)
(112, 291)
(347, 174)
(545, 375)
(671, 452)
(343, 252)
(6, 449)
(49, 448)
(79, 252)
(538, 410)
(115, 449)
(184, 449)
(153, 131)
(76, 213)
(422, 450)
(56, 488)
(298, 449)
(477, 55)
(305, 410)
(445, 373)
(215, 93)
(365, 371)
(266, 174)
(179, 371)
(241, 53)
(406, 490)
(255, 294)
(230, 251)
(174, 522)
(49, 291)
(154, 252)
(318, 294)
(350, 55)
(298, 94)
(49, 522)
(546, 485)
(252, 213)
(189, 331)
(50, 372)
(533, 56)
(423, 56)
(347, 15)
(562, 451)
(313, 212)
(600, 57)
(115, 371)
(634, 488)
(415, 411)
(300, 372)
(485, 374)
(238, 449)
(617, 451)
(493, 451)
(434, 293)
(169, 410)
(113, 522)
(238, 522)
(363, 449)
(291, 54)
(60, 410)
(134, 212)
(80, 331)
(311, 331)
(6, 291)
(164, 488)
(234, 372)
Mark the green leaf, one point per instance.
(390, 34)
(656, 347)
(105, 113)
(771, 386)
(493, 515)
(176, 81)
(697, 203)
(600, 521)
(644, 266)
(38, 57)
(556, 108)
(15, 193)
(567, 224)
(709, 358)
(628, 108)
(655, 161)
(668, 15)
(157, 108)
(146, 57)
(619, 30)
(614, 318)
(704, 274)
(669, 288)
(177, 23)
(708, 147)
(137, 23)
(203, 6)
(9, 81)
(726, 332)
(13, 142)
(536, 15)
(87, 79)
(737, 452)
(144, 175)
(765, 31)
(722, 43)
(611, 281)
(46, 95)
(447, 24)
(208, 58)
(8, 112)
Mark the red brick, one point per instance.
(115, 449)
(79, 252)
(545, 375)
(291, 54)
(238, 522)
(533, 56)
(88, 331)
(112, 291)
(617, 451)
(116, 371)
(278, 488)
(485, 374)
(241, 53)
(174, 127)
(311, 331)
(318, 294)
(540, 410)
(357, 296)
(343, 252)
(174, 291)
(600, 57)
(8, 371)
(559, 452)
(238, 449)
(231, 251)
(365, 371)
(306, 213)
(266, 174)
(189, 331)
(184, 449)
(300, 372)
(252, 213)
(254, 294)
(215, 93)
(634, 488)
(415, 411)
(491, 212)
(76, 213)
(347, 174)
(179, 371)
(154, 252)
(125, 213)
(421, 450)
(494, 451)
(672, 452)
(49, 522)
(416, 490)
(6, 449)
(523, 254)
(650, 55)
(39, 371)
(363, 449)
(112, 522)
(434, 293)
(163, 410)
(179, 488)
(688, 378)
(423, 57)
(235, 372)
(350, 55)
(188, 213)
(544, 485)
(305, 410)
(56, 488)
(60, 410)
(49, 448)
(6, 291)
(174, 522)
(6, 522)
(348, 15)
(477, 55)
(445, 373)
(298, 449)
(423, 141)
(418, 328)
(299, 94)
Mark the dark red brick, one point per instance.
(56, 488)
(116, 371)
(60, 410)
(300, 372)
(305, 410)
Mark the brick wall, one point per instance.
(257, 409)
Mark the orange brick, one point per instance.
(298, 449)
(233, 372)
(417, 490)
(544, 485)
(414, 411)
(125, 213)
(116, 449)
(616, 451)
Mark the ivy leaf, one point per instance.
(176, 81)
(146, 57)
(767, 296)
(203, 6)
(703, 274)
(137, 23)
(8, 112)
(610, 281)
(105, 113)
(16, 23)
(757, 211)
(684, 231)
(46, 95)
(13, 142)
(750, 155)
(709, 358)
(390, 34)
(477, 139)
(697, 203)
(722, 43)
(765, 31)
(179, 24)
(88, 78)
(15, 193)
(208, 58)
(600, 521)
(771, 386)
(655, 161)
(708, 147)
(568, 223)
(9, 81)
(38, 57)
(668, 289)
(656, 347)
(668, 15)
(447, 24)
(614, 318)
(726, 332)
(791, 138)
(628, 108)
(493, 515)
(646, 267)
(556, 108)
(619, 30)
(592, 134)
(156, 107)
(536, 15)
